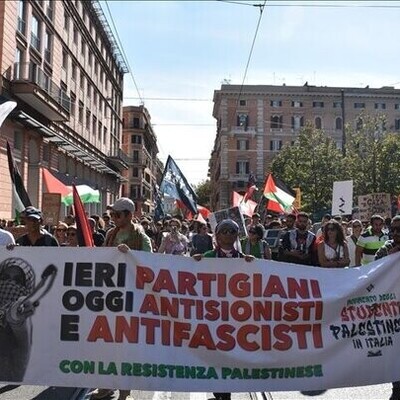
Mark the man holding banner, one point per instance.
(125, 236)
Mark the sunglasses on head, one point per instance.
(228, 231)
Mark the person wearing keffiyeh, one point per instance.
(226, 235)
(17, 280)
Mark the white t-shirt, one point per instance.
(6, 238)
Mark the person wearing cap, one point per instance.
(126, 236)
(35, 236)
(226, 235)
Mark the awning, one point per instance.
(53, 185)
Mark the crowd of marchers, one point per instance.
(331, 243)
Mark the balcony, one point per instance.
(119, 160)
(34, 87)
(243, 130)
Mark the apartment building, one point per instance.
(61, 64)
(254, 122)
(139, 142)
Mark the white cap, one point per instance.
(123, 204)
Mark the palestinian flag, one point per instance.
(280, 198)
(20, 195)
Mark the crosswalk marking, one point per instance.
(198, 396)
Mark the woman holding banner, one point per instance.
(333, 251)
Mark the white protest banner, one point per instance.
(374, 203)
(102, 318)
(342, 198)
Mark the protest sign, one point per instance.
(233, 213)
(342, 198)
(103, 318)
(51, 204)
(374, 203)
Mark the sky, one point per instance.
(186, 49)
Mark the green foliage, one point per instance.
(313, 163)
(203, 191)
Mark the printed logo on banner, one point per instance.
(370, 322)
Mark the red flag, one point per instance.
(247, 208)
(83, 230)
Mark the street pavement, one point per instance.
(373, 392)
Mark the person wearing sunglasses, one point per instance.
(392, 246)
(226, 235)
(60, 233)
(126, 236)
(333, 251)
(254, 243)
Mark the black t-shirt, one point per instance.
(44, 240)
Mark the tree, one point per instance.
(373, 157)
(203, 191)
(313, 163)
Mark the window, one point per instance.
(397, 124)
(100, 131)
(80, 113)
(65, 60)
(105, 136)
(73, 71)
(359, 105)
(135, 191)
(66, 21)
(35, 33)
(136, 122)
(89, 90)
(82, 81)
(76, 35)
(135, 156)
(47, 46)
(297, 104)
(380, 106)
(73, 104)
(83, 47)
(275, 145)
(136, 139)
(318, 104)
(242, 144)
(242, 120)
(318, 123)
(337, 104)
(242, 167)
(21, 17)
(46, 152)
(18, 61)
(276, 122)
(338, 124)
(242, 102)
(18, 140)
(88, 117)
(297, 122)
(90, 59)
(135, 172)
(397, 106)
(276, 103)
(94, 126)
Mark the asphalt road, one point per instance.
(374, 392)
